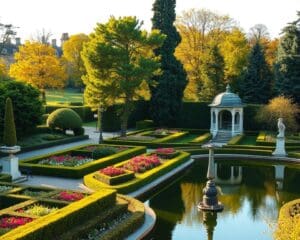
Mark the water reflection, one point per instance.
(249, 193)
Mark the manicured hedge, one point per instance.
(288, 227)
(56, 223)
(141, 179)
(30, 164)
(5, 177)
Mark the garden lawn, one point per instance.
(248, 140)
(65, 95)
(185, 139)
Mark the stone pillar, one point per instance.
(211, 121)
(241, 121)
(217, 120)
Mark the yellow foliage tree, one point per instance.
(38, 65)
(71, 54)
(3, 68)
(279, 107)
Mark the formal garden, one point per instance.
(161, 145)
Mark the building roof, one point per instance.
(227, 99)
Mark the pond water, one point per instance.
(252, 196)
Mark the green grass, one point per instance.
(248, 140)
(64, 95)
(90, 124)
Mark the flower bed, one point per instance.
(4, 188)
(69, 196)
(76, 168)
(65, 160)
(142, 163)
(37, 210)
(112, 175)
(166, 153)
(34, 192)
(13, 221)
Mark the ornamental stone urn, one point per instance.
(10, 164)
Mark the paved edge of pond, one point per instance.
(247, 156)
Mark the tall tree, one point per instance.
(166, 96)
(118, 58)
(71, 53)
(234, 49)
(257, 77)
(287, 74)
(9, 133)
(201, 31)
(38, 65)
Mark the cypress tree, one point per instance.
(257, 77)
(9, 135)
(287, 73)
(166, 95)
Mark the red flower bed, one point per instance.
(165, 151)
(112, 171)
(69, 196)
(142, 163)
(13, 222)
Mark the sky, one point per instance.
(81, 16)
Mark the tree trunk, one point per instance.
(43, 96)
(100, 125)
(124, 117)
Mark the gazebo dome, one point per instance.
(227, 99)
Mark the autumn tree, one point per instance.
(234, 49)
(38, 65)
(71, 54)
(279, 107)
(256, 78)
(3, 68)
(118, 59)
(287, 74)
(167, 94)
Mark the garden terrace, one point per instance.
(79, 161)
(141, 179)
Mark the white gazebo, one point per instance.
(226, 114)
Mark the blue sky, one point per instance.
(75, 16)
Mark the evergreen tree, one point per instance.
(9, 134)
(287, 66)
(166, 95)
(257, 77)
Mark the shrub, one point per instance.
(103, 152)
(9, 136)
(63, 119)
(44, 118)
(144, 124)
(27, 105)
(78, 131)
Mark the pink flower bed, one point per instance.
(165, 150)
(112, 171)
(65, 160)
(142, 163)
(69, 196)
(13, 222)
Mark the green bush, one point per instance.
(103, 152)
(44, 118)
(9, 135)
(27, 105)
(64, 119)
(78, 131)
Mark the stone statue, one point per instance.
(281, 127)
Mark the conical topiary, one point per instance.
(9, 135)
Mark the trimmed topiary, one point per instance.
(9, 135)
(64, 119)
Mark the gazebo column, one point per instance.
(217, 121)
(241, 120)
(211, 121)
(232, 121)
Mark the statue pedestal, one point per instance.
(280, 148)
(10, 164)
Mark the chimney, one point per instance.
(18, 41)
(53, 43)
(64, 37)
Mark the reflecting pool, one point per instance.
(252, 195)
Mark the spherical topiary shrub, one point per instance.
(64, 119)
